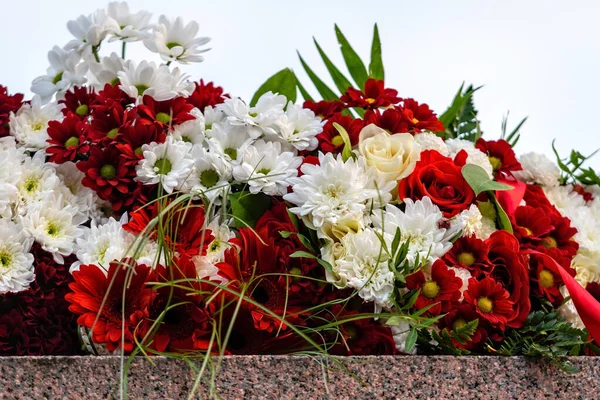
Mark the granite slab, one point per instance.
(296, 377)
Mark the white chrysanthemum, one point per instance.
(569, 312)
(298, 127)
(258, 119)
(99, 245)
(430, 141)
(167, 163)
(160, 83)
(266, 168)
(537, 168)
(475, 156)
(175, 41)
(464, 276)
(564, 198)
(16, 263)
(90, 31)
(470, 221)
(86, 200)
(106, 70)
(210, 175)
(130, 27)
(400, 333)
(11, 158)
(336, 190)
(419, 225)
(213, 117)
(30, 124)
(364, 267)
(229, 142)
(191, 131)
(38, 180)
(587, 267)
(54, 227)
(65, 70)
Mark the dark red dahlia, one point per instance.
(205, 95)
(490, 300)
(441, 291)
(8, 103)
(67, 139)
(420, 117)
(330, 140)
(79, 101)
(325, 109)
(165, 113)
(501, 155)
(374, 96)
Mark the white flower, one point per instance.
(54, 227)
(393, 156)
(213, 118)
(16, 263)
(99, 245)
(419, 225)
(229, 142)
(167, 163)
(266, 168)
(586, 267)
(210, 176)
(564, 198)
(11, 158)
(38, 180)
(90, 31)
(299, 127)
(400, 333)
(160, 83)
(537, 168)
(475, 156)
(364, 267)
(470, 221)
(191, 131)
(107, 69)
(430, 141)
(85, 199)
(336, 190)
(569, 312)
(29, 126)
(258, 119)
(488, 227)
(65, 70)
(130, 27)
(464, 275)
(207, 270)
(176, 42)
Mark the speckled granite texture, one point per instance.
(282, 377)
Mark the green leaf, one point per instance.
(303, 91)
(411, 340)
(376, 66)
(353, 62)
(347, 151)
(479, 180)
(322, 88)
(339, 79)
(304, 254)
(283, 82)
(503, 220)
(247, 208)
(460, 119)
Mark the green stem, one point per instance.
(168, 63)
(95, 52)
(123, 49)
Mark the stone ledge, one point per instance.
(285, 377)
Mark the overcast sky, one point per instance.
(536, 58)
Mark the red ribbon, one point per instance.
(511, 199)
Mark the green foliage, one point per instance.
(502, 218)
(376, 66)
(460, 119)
(513, 137)
(479, 180)
(247, 208)
(347, 151)
(432, 342)
(283, 82)
(573, 170)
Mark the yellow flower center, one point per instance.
(550, 242)
(415, 121)
(546, 279)
(496, 163)
(337, 141)
(71, 142)
(458, 323)
(6, 259)
(485, 305)
(466, 258)
(370, 100)
(430, 290)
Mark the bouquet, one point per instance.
(146, 213)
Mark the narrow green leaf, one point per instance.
(353, 62)
(304, 254)
(339, 79)
(347, 151)
(376, 66)
(283, 82)
(503, 220)
(248, 208)
(303, 91)
(322, 88)
(411, 340)
(479, 180)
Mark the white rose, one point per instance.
(393, 156)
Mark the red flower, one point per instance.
(330, 140)
(111, 94)
(531, 224)
(8, 104)
(469, 253)
(165, 113)
(67, 139)
(392, 120)
(535, 197)
(459, 317)
(440, 179)
(587, 196)
(92, 288)
(420, 117)
(442, 290)
(545, 276)
(324, 109)
(502, 157)
(205, 95)
(79, 101)
(491, 301)
(561, 236)
(374, 96)
(133, 137)
(109, 121)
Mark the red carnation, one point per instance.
(374, 96)
(330, 140)
(98, 299)
(501, 155)
(491, 301)
(469, 253)
(8, 104)
(67, 139)
(205, 95)
(440, 179)
(324, 109)
(441, 291)
(420, 117)
(79, 101)
(165, 113)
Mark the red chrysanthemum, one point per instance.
(545, 275)
(133, 137)
(8, 103)
(374, 96)
(205, 95)
(420, 117)
(109, 122)
(67, 139)
(470, 253)
(111, 94)
(501, 155)
(442, 290)
(490, 300)
(392, 120)
(165, 113)
(561, 236)
(324, 109)
(535, 197)
(531, 224)
(79, 101)
(111, 305)
(459, 317)
(330, 140)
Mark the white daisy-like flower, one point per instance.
(337, 190)
(464, 276)
(229, 142)
(65, 70)
(537, 168)
(89, 31)
(191, 131)
(107, 70)
(30, 124)
(99, 245)
(212, 117)
(167, 163)
(430, 141)
(258, 119)
(400, 334)
(266, 168)
(130, 27)
(11, 159)
(419, 225)
(38, 180)
(85, 199)
(364, 267)
(210, 176)
(175, 41)
(475, 156)
(298, 127)
(206, 264)
(16, 263)
(159, 82)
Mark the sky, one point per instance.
(535, 58)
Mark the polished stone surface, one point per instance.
(283, 377)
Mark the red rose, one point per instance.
(440, 179)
